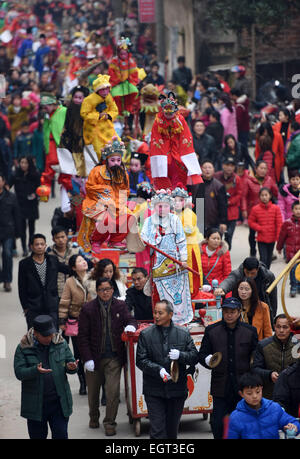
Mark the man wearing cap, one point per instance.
(99, 112)
(41, 362)
(52, 129)
(263, 277)
(236, 341)
(165, 391)
(233, 187)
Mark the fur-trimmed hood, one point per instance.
(28, 339)
(221, 251)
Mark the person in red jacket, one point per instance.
(242, 115)
(233, 186)
(289, 237)
(265, 218)
(277, 147)
(250, 196)
(267, 154)
(215, 257)
(243, 174)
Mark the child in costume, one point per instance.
(124, 78)
(52, 130)
(106, 217)
(164, 230)
(99, 111)
(172, 155)
(136, 171)
(72, 136)
(183, 209)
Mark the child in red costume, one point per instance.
(124, 78)
(172, 155)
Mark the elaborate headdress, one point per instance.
(48, 99)
(113, 148)
(124, 43)
(144, 190)
(179, 191)
(162, 196)
(169, 103)
(102, 81)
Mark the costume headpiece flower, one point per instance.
(124, 43)
(162, 196)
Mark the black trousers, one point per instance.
(164, 416)
(31, 227)
(222, 406)
(265, 252)
(52, 414)
(252, 242)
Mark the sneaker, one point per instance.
(25, 254)
(293, 293)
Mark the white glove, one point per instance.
(174, 354)
(130, 328)
(89, 365)
(207, 359)
(164, 374)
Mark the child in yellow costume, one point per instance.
(99, 111)
(183, 209)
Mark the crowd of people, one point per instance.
(135, 156)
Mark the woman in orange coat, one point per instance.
(254, 311)
(277, 147)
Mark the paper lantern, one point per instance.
(43, 192)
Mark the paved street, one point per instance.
(13, 327)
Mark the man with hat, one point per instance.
(99, 112)
(55, 115)
(163, 352)
(233, 187)
(41, 362)
(236, 341)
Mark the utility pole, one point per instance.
(160, 35)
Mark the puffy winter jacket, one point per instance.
(285, 201)
(250, 195)
(223, 267)
(278, 149)
(290, 237)
(266, 220)
(248, 423)
(287, 389)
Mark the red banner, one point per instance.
(147, 11)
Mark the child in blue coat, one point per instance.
(256, 417)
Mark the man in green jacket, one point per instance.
(41, 362)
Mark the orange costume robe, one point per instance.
(105, 212)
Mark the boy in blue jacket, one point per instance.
(256, 417)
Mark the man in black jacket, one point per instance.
(287, 387)
(274, 354)
(37, 282)
(182, 76)
(204, 144)
(215, 198)
(136, 300)
(10, 228)
(237, 342)
(157, 346)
